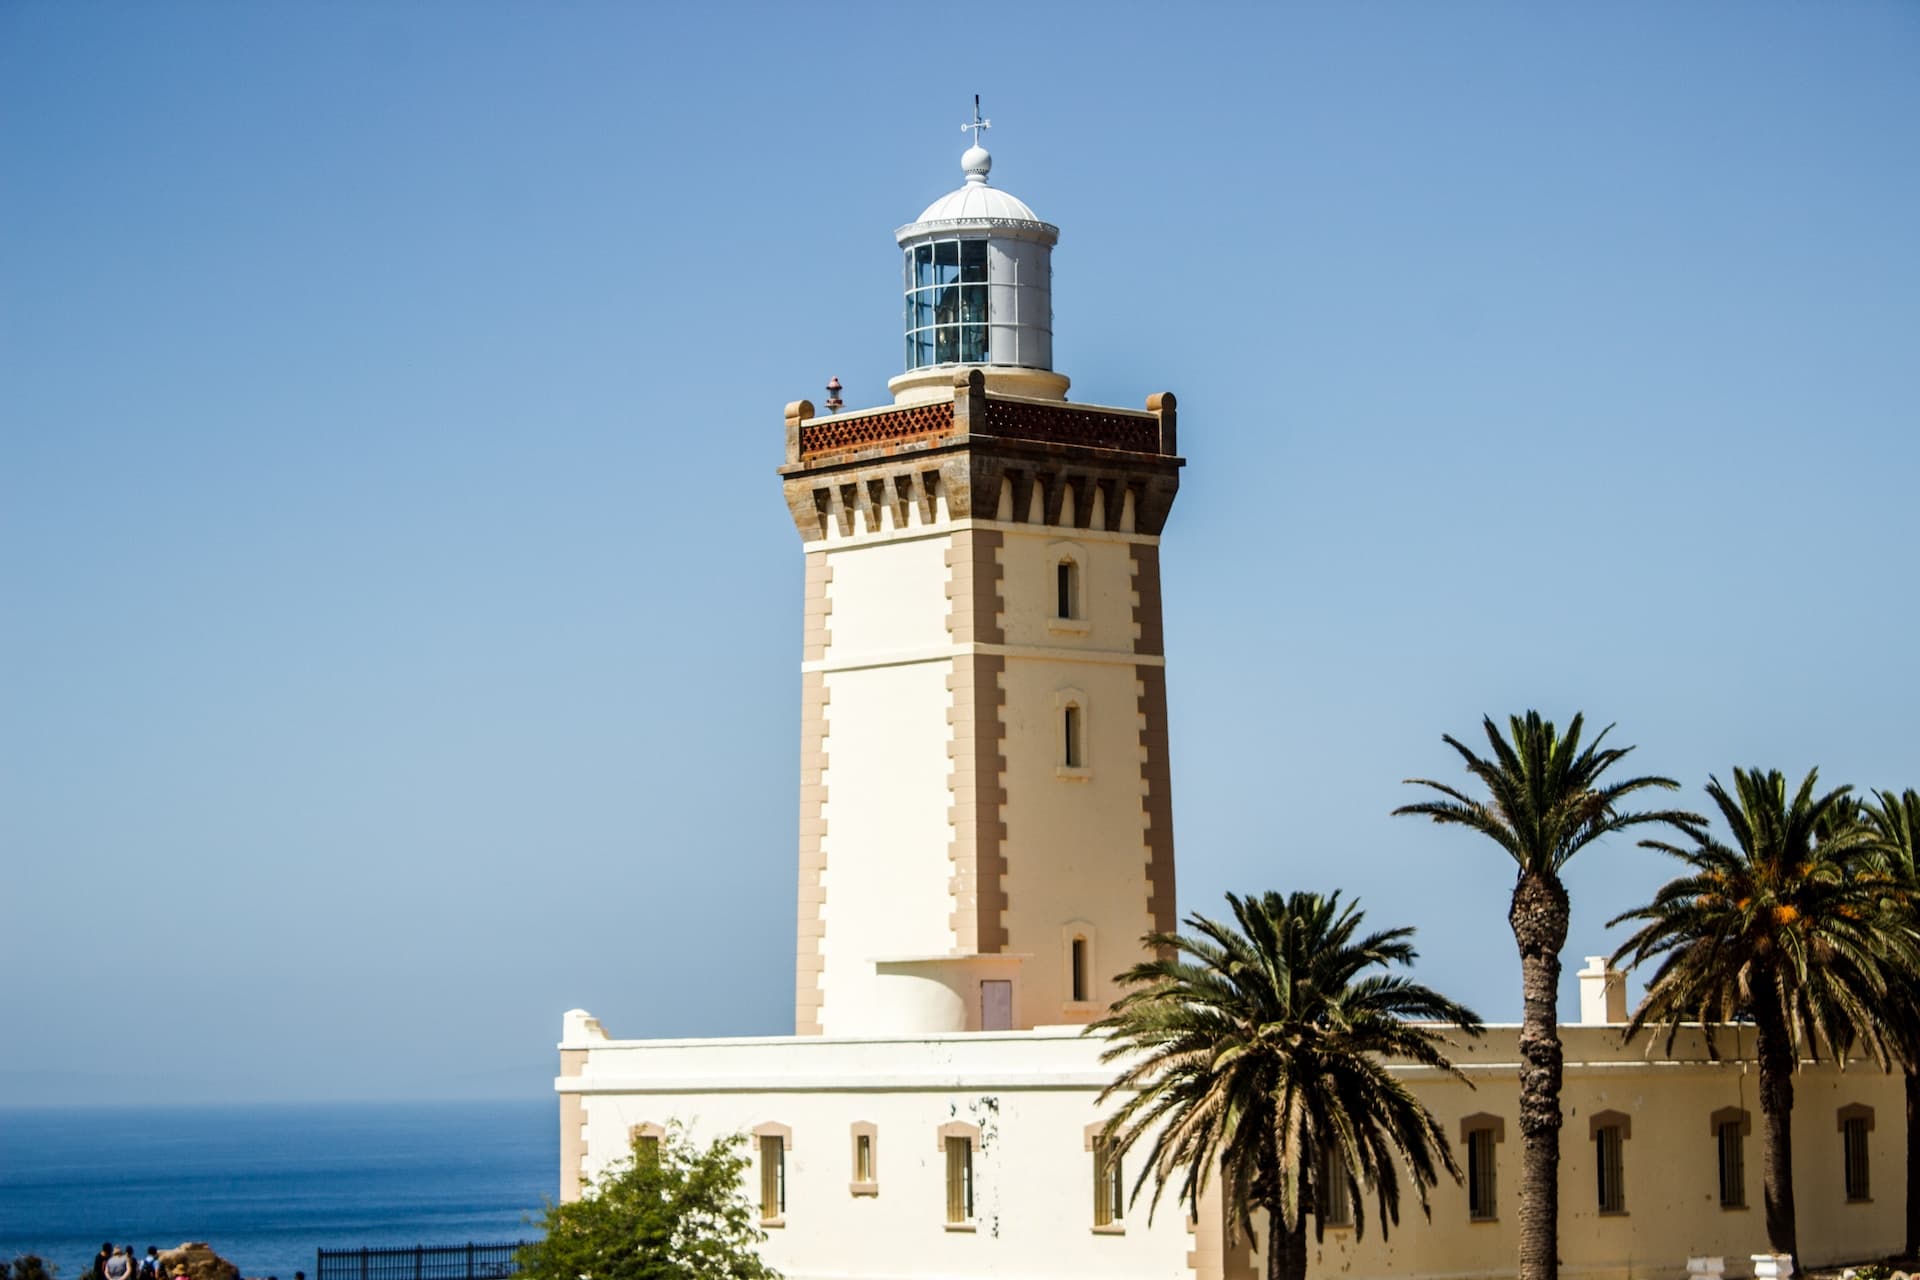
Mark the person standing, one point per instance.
(99, 1271)
(119, 1265)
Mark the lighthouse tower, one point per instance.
(986, 825)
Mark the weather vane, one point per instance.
(976, 124)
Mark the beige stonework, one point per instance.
(978, 794)
(809, 962)
(573, 1124)
(1148, 629)
(973, 587)
(580, 1031)
(976, 785)
(952, 458)
(1219, 1252)
(1156, 796)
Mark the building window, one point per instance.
(1070, 734)
(772, 1142)
(959, 1180)
(1069, 560)
(1733, 1173)
(1613, 1192)
(1336, 1199)
(1079, 970)
(1109, 1188)
(1731, 1125)
(1610, 1130)
(773, 1176)
(1481, 1133)
(1480, 1176)
(645, 1139)
(866, 1160)
(1856, 1122)
(959, 1141)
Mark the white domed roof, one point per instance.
(977, 202)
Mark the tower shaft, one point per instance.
(986, 818)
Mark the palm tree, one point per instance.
(1778, 927)
(1258, 1048)
(1545, 802)
(1895, 819)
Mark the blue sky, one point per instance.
(401, 618)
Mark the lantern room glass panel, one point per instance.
(977, 300)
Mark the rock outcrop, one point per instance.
(201, 1262)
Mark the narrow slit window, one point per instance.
(863, 1157)
(959, 1180)
(1336, 1203)
(773, 1176)
(1733, 1166)
(1481, 1187)
(1079, 970)
(1109, 1195)
(1066, 588)
(1070, 729)
(646, 1149)
(1853, 1135)
(1611, 1184)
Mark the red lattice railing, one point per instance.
(893, 427)
(1063, 424)
(1052, 424)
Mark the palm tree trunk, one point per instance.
(1913, 1163)
(1776, 1106)
(1539, 920)
(1286, 1245)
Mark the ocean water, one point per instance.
(268, 1185)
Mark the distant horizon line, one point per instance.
(237, 1105)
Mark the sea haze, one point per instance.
(267, 1185)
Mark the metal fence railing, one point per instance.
(421, 1262)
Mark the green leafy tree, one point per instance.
(671, 1211)
(1895, 820)
(1546, 801)
(28, 1266)
(1779, 926)
(1257, 1048)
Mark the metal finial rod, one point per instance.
(977, 123)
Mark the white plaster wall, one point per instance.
(1669, 1166)
(1034, 1091)
(887, 833)
(1031, 1095)
(887, 598)
(886, 777)
(937, 995)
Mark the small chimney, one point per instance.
(1603, 993)
(833, 394)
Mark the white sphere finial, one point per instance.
(975, 161)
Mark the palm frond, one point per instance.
(1545, 799)
(1255, 1051)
